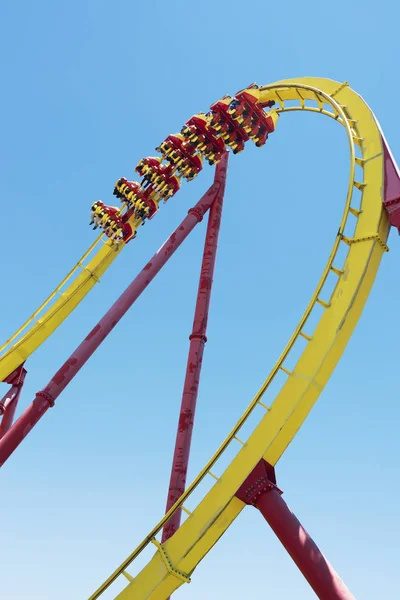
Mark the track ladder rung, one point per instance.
(264, 405)
(357, 140)
(285, 370)
(85, 268)
(237, 439)
(360, 161)
(128, 576)
(185, 510)
(301, 98)
(320, 102)
(359, 186)
(280, 100)
(213, 476)
(347, 240)
(305, 336)
(322, 303)
(355, 211)
(337, 272)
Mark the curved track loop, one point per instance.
(174, 561)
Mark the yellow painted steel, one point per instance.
(175, 560)
(58, 306)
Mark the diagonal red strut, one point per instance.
(259, 489)
(198, 339)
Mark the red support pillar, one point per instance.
(46, 397)
(260, 491)
(197, 341)
(9, 402)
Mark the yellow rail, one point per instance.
(175, 560)
(58, 306)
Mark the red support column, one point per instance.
(46, 397)
(260, 491)
(9, 402)
(196, 348)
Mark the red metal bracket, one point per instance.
(17, 376)
(8, 404)
(260, 490)
(391, 187)
(260, 481)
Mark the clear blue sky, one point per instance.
(88, 89)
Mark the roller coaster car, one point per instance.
(225, 126)
(181, 155)
(145, 208)
(127, 191)
(138, 200)
(246, 110)
(108, 219)
(160, 177)
(148, 163)
(198, 133)
(254, 86)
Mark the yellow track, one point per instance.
(58, 306)
(174, 561)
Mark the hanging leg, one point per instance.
(260, 490)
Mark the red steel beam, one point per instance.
(193, 369)
(9, 402)
(260, 490)
(391, 188)
(46, 398)
(8, 406)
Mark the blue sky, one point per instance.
(89, 88)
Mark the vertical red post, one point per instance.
(46, 397)
(197, 341)
(260, 491)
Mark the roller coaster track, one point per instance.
(58, 306)
(365, 216)
(175, 560)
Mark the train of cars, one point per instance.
(230, 123)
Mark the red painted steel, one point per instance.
(391, 187)
(259, 491)
(8, 406)
(197, 341)
(9, 402)
(46, 397)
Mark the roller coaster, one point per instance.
(371, 206)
